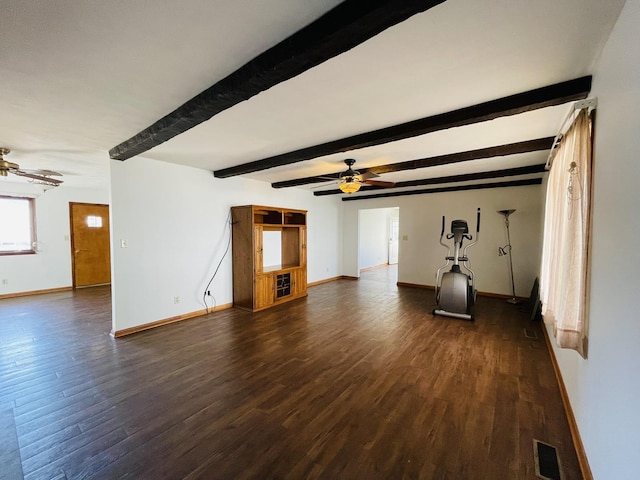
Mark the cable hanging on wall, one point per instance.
(206, 289)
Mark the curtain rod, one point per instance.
(576, 107)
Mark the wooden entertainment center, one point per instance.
(269, 256)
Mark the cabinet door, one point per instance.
(257, 250)
(303, 250)
(264, 290)
(299, 281)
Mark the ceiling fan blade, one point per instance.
(40, 178)
(379, 183)
(367, 175)
(44, 173)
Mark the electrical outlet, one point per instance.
(176, 299)
(5, 281)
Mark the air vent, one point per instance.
(547, 461)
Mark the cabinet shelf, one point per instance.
(267, 216)
(295, 218)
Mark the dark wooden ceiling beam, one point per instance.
(493, 174)
(527, 146)
(347, 25)
(551, 95)
(457, 188)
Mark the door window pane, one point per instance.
(94, 221)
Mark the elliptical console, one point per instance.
(455, 290)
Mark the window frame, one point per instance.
(32, 215)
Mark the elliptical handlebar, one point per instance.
(442, 235)
(477, 233)
(447, 257)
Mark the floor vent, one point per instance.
(547, 461)
(530, 333)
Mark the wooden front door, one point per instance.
(91, 257)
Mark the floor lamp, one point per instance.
(506, 250)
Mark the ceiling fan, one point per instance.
(351, 180)
(42, 177)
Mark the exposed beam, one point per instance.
(536, 145)
(347, 25)
(509, 172)
(551, 95)
(458, 188)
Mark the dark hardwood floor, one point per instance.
(357, 381)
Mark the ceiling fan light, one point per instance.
(349, 186)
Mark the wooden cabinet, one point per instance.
(269, 256)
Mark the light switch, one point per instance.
(405, 237)
(124, 244)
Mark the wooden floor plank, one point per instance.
(358, 380)
(10, 461)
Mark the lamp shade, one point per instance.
(349, 186)
(506, 213)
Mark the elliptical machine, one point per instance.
(455, 290)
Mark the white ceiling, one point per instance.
(79, 77)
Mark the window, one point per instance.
(93, 221)
(17, 225)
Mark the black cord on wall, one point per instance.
(206, 289)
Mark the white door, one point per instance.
(393, 241)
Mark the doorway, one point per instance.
(90, 244)
(378, 237)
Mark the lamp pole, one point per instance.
(503, 251)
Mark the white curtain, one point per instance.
(564, 280)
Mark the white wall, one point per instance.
(604, 389)
(420, 221)
(373, 236)
(51, 266)
(175, 221)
